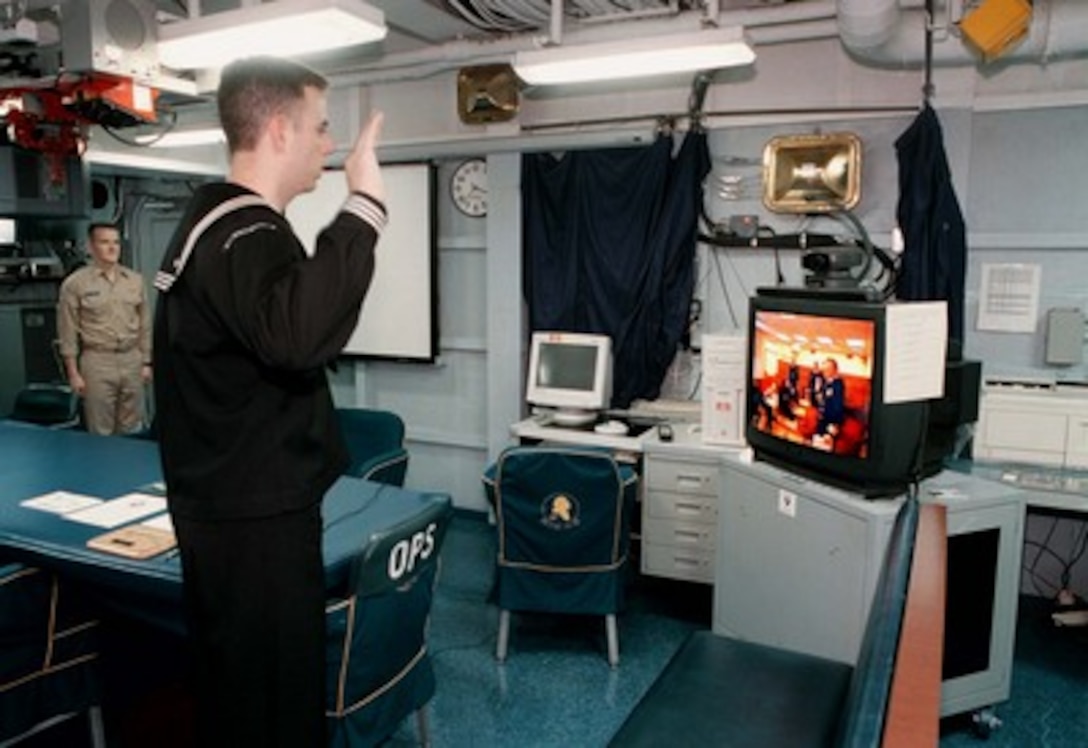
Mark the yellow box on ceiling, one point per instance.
(996, 25)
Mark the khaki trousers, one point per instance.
(113, 402)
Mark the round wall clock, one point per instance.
(468, 187)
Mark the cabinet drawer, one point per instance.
(681, 506)
(1076, 441)
(682, 476)
(689, 564)
(680, 534)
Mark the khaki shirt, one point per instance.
(95, 313)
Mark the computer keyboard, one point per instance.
(1043, 480)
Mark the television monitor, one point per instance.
(572, 373)
(818, 397)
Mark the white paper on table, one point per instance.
(161, 522)
(118, 511)
(61, 502)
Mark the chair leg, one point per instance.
(98, 732)
(613, 640)
(504, 635)
(421, 726)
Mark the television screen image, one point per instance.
(812, 380)
(838, 389)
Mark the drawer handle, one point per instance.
(690, 563)
(689, 481)
(687, 535)
(685, 508)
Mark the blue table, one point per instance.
(35, 461)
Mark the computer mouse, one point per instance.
(664, 432)
(612, 428)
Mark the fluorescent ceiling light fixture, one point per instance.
(282, 28)
(183, 138)
(140, 164)
(635, 58)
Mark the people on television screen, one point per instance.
(815, 384)
(762, 408)
(790, 391)
(830, 402)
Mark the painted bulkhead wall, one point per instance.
(1015, 133)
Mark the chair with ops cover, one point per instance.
(378, 669)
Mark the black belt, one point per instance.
(115, 349)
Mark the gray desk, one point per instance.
(1058, 489)
(797, 564)
(539, 430)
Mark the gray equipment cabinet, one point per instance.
(797, 561)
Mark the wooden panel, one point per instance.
(914, 709)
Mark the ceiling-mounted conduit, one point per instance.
(765, 26)
(555, 22)
(886, 34)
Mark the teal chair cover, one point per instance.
(48, 651)
(378, 667)
(563, 517)
(375, 440)
(52, 405)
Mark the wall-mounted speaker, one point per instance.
(110, 36)
(812, 173)
(487, 93)
(101, 195)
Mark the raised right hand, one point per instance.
(361, 165)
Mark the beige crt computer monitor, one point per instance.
(570, 372)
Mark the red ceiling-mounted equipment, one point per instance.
(54, 117)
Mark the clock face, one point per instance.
(468, 187)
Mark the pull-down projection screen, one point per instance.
(399, 318)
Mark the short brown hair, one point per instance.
(254, 89)
(100, 225)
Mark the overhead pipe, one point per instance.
(884, 33)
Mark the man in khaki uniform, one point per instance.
(103, 323)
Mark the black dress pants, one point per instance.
(255, 605)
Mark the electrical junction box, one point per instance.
(1064, 337)
(996, 25)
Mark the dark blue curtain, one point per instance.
(934, 263)
(609, 248)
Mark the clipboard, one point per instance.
(134, 541)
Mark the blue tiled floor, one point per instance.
(1048, 702)
(556, 688)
